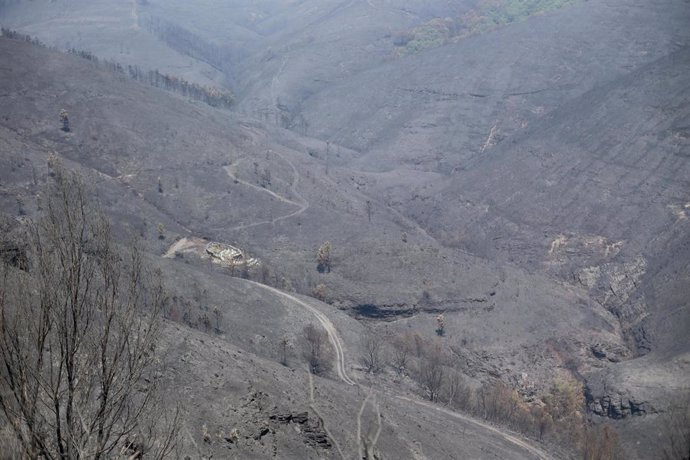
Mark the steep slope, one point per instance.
(438, 109)
(238, 43)
(109, 29)
(222, 337)
(597, 194)
(573, 219)
(594, 191)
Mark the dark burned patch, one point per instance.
(384, 312)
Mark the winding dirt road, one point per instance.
(342, 374)
(538, 453)
(302, 204)
(333, 336)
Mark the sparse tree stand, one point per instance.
(78, 335)
(64, 119)
(323, 258)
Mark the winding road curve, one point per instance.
(327, 325)
(342, 374)
(538, 453)
(332, 332)
(302, 203)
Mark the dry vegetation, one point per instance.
(558, 417)
(78, 332)
(80, 318)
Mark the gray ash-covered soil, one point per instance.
(532, 184)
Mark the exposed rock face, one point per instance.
(316, 436)
(609, 351)
(299, 418)
(637, 387)
(261, 433)
(312, 430)
(614, 286)
(618, 406)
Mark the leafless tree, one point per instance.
(600, 443)
(431, 371)
(453, 388)
(677, 427)
(314, 345)
(402, 348)
(371, 352)
(420, 345)
(498, 402)
(78, 334)
(319, 292)
(284, 350)
(543, 421)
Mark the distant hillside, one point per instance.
(157, 164)
(519, 197)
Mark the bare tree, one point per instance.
(284, 350)
(454, 388)
(601, 443)
(372, 352)
(677, 428)
(402, 347)
(542, 421)
(319, 292)
(431, 371)
(78, 334)
(314, 348)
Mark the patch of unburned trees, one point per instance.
(79, 329)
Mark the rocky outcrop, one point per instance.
(615, 287)
(609, 351)
(316, 436)
(618, 406)
(312, 429)
(299, 418)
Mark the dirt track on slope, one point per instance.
(302, 203)
(342, 374)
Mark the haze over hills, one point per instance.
(528, 181)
